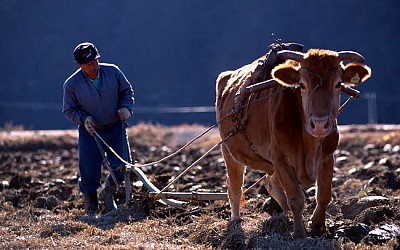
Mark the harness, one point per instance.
(351, 92)
(245, 94)
(319, 85)
(239, 118)
(243, 97)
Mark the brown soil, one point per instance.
(41, 207)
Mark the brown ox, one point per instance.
(292, 133)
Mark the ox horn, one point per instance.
(351, 55)
(293, 55)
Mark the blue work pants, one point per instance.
(90, 157)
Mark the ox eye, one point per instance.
(338, 85)
(302, 86)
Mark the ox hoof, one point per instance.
(300, 234)
(236, 219)
(318, 232)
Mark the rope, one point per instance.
(98, 137)
(194, 163)
(255, 183)
(194, 139)
(103, 154)
(163, 159)
(247, 105)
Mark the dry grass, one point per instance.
(370, 134)
(130, 228)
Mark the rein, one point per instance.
(239, 113)
(240, 122)
(353, 93)
(129, 167)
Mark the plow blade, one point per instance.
(154, 189)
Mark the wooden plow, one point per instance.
(175, 199)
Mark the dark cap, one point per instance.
(85, 53)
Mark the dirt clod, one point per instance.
(41, 206)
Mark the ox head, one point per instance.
(320, 75)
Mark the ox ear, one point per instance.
(286, 75)
(355, 73)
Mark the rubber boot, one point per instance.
(107, 194)
(91, 203)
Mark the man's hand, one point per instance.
(89, 124)
(124, 113)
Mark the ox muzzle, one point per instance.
(320, 126)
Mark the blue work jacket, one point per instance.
(81, 98)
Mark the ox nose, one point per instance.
(320, 126)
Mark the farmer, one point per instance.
(98, 97)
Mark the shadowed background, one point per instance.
(172, 51)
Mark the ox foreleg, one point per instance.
(323, 195)
(235, 171)
(295, 198)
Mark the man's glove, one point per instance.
(89, 125)
(124, 113)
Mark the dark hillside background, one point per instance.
(172, 51)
